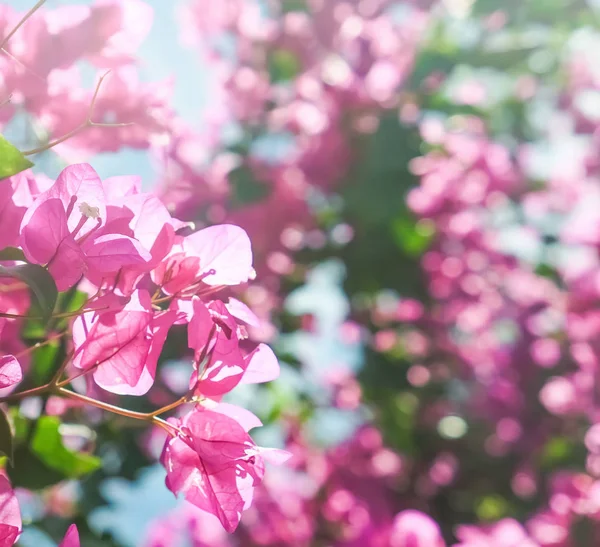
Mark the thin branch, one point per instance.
(62, 315)
(21, 22)
(41, 344)
(6, 101)
(87, 123)
(21, 64)
(104, 406)
(148, 417)
(171, 430)
(162, 410)
(51, 144)
(59, 372)
(13, 397)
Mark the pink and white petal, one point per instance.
(242, 416)
(10, 513)
(43, 228)
(121, 186)
(71, 538)
(276, 456)
(82, 181)
(8, 535)
(125, 372)
(224, 249)
(10, 371)
(200, 325)
(111, 252)
(184, 309)
(111, 332)
(262, 366)
(240, 311)
(68, 265)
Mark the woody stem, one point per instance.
(21, 22)
(104, 406)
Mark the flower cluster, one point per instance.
(143, 272)
(42, 78)
(298, 79)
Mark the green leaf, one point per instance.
(48, 446)
(44, 362)
(6, 437)
(20, 423)
(12, 253)
(491, 508)
(294, 5)
(12, 161)
(283, 66)
(29, 472)
(39, 281)
(246, 189)
(411, 236)
(556, 451)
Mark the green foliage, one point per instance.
(39, 281)
(246, 189)
(47, 445)
(556, 451)
(45, 362)
(12, 161)
(491, 508)
(12, 253)
(30, 472)
(283, 66)
(6, 437)
(412, 238)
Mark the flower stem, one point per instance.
(62, 315)
(173, 405)
(24, 394)
(84, 125)
(104, 406)
(21, 22)
(41, 344)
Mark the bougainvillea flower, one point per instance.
(10, 514)
(242, 416)
(143, 218)
(213, 334)
(10, 371)
(220, 364)
(224, 250)
(504, 533)
(60, 229)
(17, 193)
(214, 463)
(415, 529)
(261, 366)
(71, 538)
(122, 347)
(217, 255)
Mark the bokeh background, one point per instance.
(420, 183)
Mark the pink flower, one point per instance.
(71, 538)
(59, 230)
(504, 533)
(213, 334)
(415, 529)
(220, 364)
(10, 371)
(16, 194)
(217, 255)
(142, 217)
(123, 345)
(10, 514)
(215, 464)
